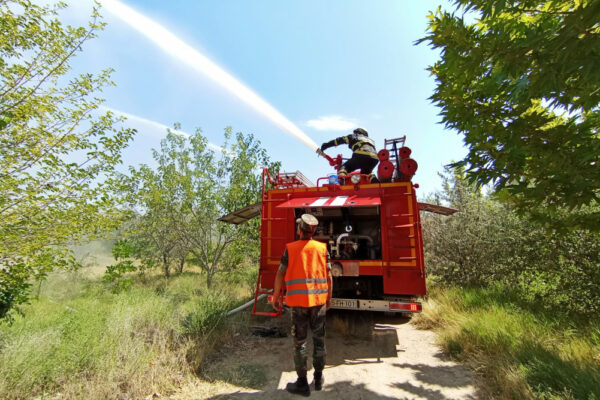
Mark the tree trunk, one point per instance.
(39, 289)
(166, 265)
(181, 263)
(209, 276)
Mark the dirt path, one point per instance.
(370, 356)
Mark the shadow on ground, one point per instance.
(346, 390)
(445, 375)
(429, 394)
(357, 337)
(352, 338)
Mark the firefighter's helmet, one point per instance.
(361, 131)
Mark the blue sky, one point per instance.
(327, 66)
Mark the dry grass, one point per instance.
(79, 340)
(518, 350)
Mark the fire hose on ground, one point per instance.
(243, 306)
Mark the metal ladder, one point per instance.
(395, 145)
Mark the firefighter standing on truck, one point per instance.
(364, 155)
(306, 271)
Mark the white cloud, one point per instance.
(144, 125)
(332, 123)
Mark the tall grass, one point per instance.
(520, 350)
(83, 341)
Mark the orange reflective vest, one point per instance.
(306, 274)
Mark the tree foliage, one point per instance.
(115, 274)
(179, 202)
(56, 157)
(151, 232)
(487, 243)
(474, 246)
(520, 81)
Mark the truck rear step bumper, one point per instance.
(377, 305)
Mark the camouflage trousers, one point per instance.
(304, 318)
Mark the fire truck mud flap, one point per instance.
(376, 305)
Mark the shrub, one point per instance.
(207, 313)
(486, 243)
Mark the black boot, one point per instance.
(318, 380)
(299, 387)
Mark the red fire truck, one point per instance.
(372, 231)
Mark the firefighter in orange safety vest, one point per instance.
(306, 272)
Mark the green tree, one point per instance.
(520, 81)
(56, 157)
(150, 231)
(475, 246)
(192, 186)
(486, 243)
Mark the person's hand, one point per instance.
(328, 305)
(277, 302)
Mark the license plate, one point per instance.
(348, 304)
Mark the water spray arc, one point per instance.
(191, 57)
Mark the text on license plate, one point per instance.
(344, 303)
